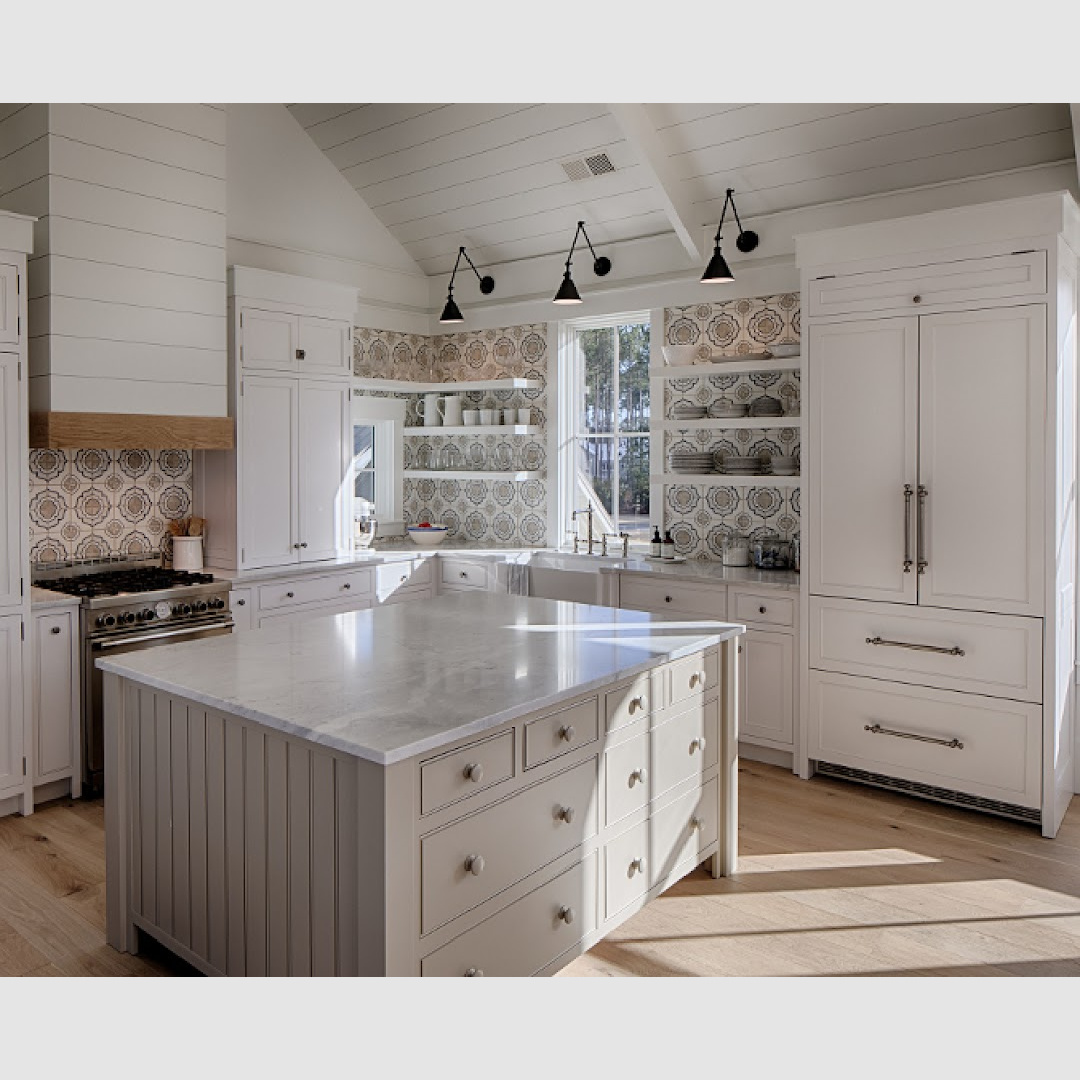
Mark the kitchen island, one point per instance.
(484, 784)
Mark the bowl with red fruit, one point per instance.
(427, 533)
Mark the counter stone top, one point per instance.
(47, 598)
(390, 683)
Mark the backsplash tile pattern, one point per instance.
(88, 504)
(700, 517)
(491, 511)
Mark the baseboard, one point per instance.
(767, 755)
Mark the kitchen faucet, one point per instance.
(589, 533)
(623, 536)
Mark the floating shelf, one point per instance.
(712, 424)
(477, 429)
(471, 474)
(728, 367)
(723, 480)
(404, 386)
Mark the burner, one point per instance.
(114, 582)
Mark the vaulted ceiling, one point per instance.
(492, 177)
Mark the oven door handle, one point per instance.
(135, 639)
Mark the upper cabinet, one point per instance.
(11, 495)
(9, 305)
(304, 344)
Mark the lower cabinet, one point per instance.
(276, 618)
(242, 606)
(55, 651)
(12, 771)
(767, 688)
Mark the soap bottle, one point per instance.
(668, 546)
(656, 546)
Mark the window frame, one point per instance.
(387, 416)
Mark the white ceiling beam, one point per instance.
(1075, 110)
(640, 133)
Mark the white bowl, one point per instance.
(429, 537)
(679, 354)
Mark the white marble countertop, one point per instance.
(393, 682)
(46, 598)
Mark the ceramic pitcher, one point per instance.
(428, 407)
(451, 411)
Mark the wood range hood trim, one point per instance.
(130, 431)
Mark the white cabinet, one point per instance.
(12, 762)
(11, 496)
(56, 697)
(325, 346)
(242, 606)
(767, 688)
(324, 470)
(303, 344)
(10, 288)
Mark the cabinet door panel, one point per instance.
(9, 304)
(325, 474)
(269, 492)
(862, 384)
(325, 345)
(269, 340)
(982, 399)
(56, 704)
(11, 705)
(767, 688)
(10, 486)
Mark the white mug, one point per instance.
(451, 411)
(428, 407)
(524, 416)
(509, 416)
(487, 416)
(471, 417)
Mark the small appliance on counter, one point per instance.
(736, 550)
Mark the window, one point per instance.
(377, 461)
(607, 459)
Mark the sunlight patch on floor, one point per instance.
(829, 860)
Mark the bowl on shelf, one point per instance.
(680, 354)
(426, 534)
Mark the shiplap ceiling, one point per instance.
(489, 176)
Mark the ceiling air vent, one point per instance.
(584, 168)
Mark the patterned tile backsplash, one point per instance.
(700, 517)
(493, 511)
(88, 504)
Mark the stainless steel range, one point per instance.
(130, 606)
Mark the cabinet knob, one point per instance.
(916, 299)
(290, 595)
(761, 610)
(474, 865)
(637, 866)
(565, 813)
(240, 603)
(696, 824)
(297, 546)
(697, 744)
(404, 577)
(464, 573)
(303, 545)
(474, 772)
(697, 679)
(566, 733)
(347, 585)
(474, 973)
(300, 354)
(566, 913)
(640, 702)
(54, 630)
(667, 599)
(639, 776)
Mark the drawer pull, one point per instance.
(920, 536)
(347, 585)
(667, 599)
(464, 573)
(954, 650)
(474, 864)
(566, 733)
(240, 603)
(637, 866)
(909, 491)
(565, 813)
(638, 776)
(696, 824)
(697, 744)
(474, 973)
(566, 914)
(473, 772)
(638, 703)
(290, 595)
(697, 679)
(54, 630)
(949, 744)
(916, 299)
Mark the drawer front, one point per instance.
(1001, 740)
(641, 593)
(772, 610)
(690, 677)
(242, 606)
(529, 934)
(998, 655)
(552, 736)
(628, 703)
(458, 775)
(296, 615)
(390, 577)
(472, 860)
(462, 574)
(311, 590)
(406, 596)
(643, 856)
(643, 768)
(913, 288)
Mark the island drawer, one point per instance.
(647, 593)
(311, 590)
(561, 732)
(461, 773)
(463, 574)
(645, 855)
(639, 770)
(773, 609)
(628, 703)
(529, 934)
(472, 860)
(390, 577)
(692, 676)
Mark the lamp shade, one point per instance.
(451, 313)
(718, 271)
(567, 293)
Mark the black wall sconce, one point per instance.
(568, 293)
(452, 313)
(718, 271)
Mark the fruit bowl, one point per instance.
(427, 534)
(676, 355)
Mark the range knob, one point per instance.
(147, 615)
(216, 604)
(200, 606)
(105, 621)
(127, 618)
(181, 609)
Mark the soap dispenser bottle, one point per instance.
(656, 546)
(668, 546)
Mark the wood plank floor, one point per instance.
(834, 879)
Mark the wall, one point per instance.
(489, 511)
(87, 504)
